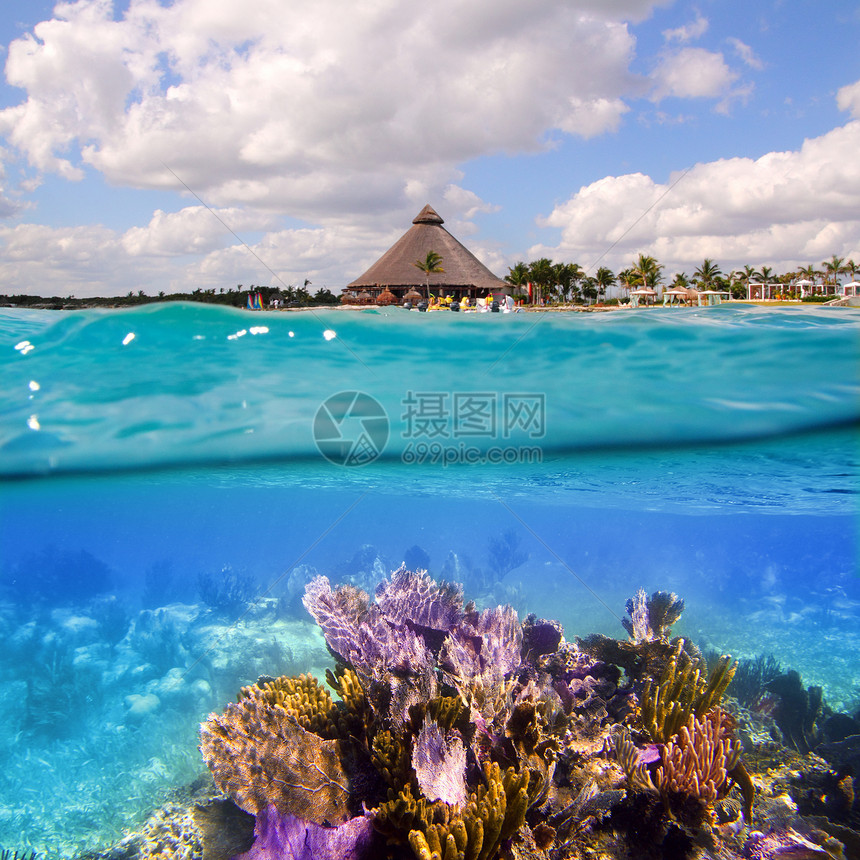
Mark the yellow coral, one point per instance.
(392, 758)
(681, 693)
(354, 717)
(303, 698)
(494, 813)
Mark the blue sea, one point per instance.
(173, 475)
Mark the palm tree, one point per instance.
(518, 274)
(833, 268)
(851, 268)
(429, 265)
(681, 281)
(626, 279)
(604, 279)
(765, 273)
(542, 275)
(707, 273)
(646, 271)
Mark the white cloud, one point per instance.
(314, 108)
(689, 32)
(746, 54)
(193, 230)
(848, 99)
(785, 207)
(466, 202)
(692, 73)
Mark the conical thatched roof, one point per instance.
(396, 267)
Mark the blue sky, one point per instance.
(584, 131)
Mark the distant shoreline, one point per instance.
(107, 303)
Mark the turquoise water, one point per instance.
(154, 459)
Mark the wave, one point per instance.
(179, 384)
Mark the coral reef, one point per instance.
(457, 734)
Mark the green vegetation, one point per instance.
(555, 283)
(431, 264)
(236, 297)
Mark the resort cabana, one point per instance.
(850, 289)
(395, 271)
(680, 296)
(386, 297)
(644, 294)
(713, 297)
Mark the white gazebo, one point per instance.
(851, 289)
(646, 294)
(676, 295)
(713, 297)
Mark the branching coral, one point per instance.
(694, 765)
(392, 758)
(697, 761)
(682, 692)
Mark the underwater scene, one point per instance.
(360, 584)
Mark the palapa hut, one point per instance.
(395, 271)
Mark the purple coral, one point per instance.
(286, 837)
(486, 643)
(439, 761)
(358, 632)
(393, 634)
(417, 599)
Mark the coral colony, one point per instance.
(459, 734)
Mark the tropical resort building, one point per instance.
(394, 277)
(804, 287)
(764, 292)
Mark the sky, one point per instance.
(203, 144)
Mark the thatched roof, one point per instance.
(396, 267)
